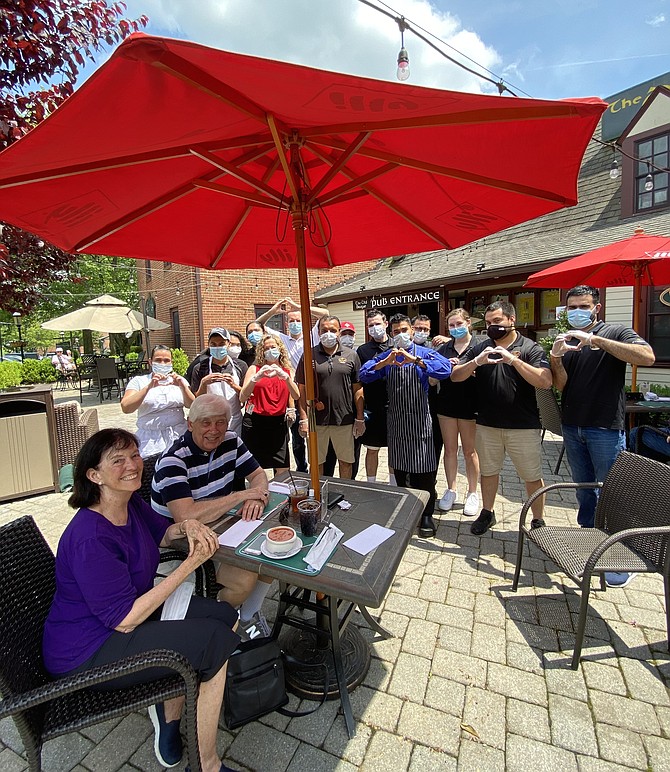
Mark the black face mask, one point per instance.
(498, 331)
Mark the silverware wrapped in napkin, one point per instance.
(322, 547)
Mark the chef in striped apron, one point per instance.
(406, 368)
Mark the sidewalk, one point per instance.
(478, 677)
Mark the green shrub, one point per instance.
(132, 356)
(38, 371)
(10, 374)
(179, 361)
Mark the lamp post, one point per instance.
(17, 319)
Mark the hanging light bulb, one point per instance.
(649, 181)
(402, 72)
(403, 65)
(614, 168)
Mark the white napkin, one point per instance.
(322, 547)
(177, 602)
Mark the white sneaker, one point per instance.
(471, 507)
(447, 501)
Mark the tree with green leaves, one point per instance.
(43, 46)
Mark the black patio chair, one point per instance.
(86, 371)
(43, 707)
(205, 575)
(550, 418)
(108, 377)
(642, 450)
(631, 533)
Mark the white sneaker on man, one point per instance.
(447, 501)
(471, 507)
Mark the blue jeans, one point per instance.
(651, 440)
(591, 452)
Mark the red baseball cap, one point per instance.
(347, 326)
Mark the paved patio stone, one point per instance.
(387, 753)
(624, 712)
(410, 677)
(528, 720)
(485, 713)
(429, 760)
(619, 745)
(466, 651)
(572, 725)
(476, 756)
(430, 727)
(524, 754)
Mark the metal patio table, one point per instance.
(347, 581)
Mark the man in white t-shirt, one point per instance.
(62, 361)
(294, 343)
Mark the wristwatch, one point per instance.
(418, 361)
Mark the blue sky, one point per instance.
(546, 48)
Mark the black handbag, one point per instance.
(256, 685)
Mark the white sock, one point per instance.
(392, 480)
(255, 600)
(372, 478)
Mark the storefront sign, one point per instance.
(400, 299)
(622, 107)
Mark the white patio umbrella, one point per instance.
(104, 314)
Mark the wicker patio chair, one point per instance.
(631, 533)
(43, 707)
(550, 418)
(205, 574)
(73, 427)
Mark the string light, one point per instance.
(649, 180)
(614, 168)
(402, 72)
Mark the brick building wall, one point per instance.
(206, 299)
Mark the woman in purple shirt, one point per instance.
(106, 606)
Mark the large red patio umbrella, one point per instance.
(175, 151)
(640, 260)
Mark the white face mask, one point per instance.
(328, 339)
(271, 354)
(402, 340)
(234, 351)
(420, 336)
(377, 331)
(160, 369)
(347, 340)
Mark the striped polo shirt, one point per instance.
(186, 471)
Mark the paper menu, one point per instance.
(368, 539)
(238, 532)
(177, 602)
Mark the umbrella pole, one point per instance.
(637, 298)
(312, 441)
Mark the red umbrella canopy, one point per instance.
(637, 260)
(174, 151)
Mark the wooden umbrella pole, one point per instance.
(299, 224)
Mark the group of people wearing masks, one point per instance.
(243, 395)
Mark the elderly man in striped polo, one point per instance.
(194, 480)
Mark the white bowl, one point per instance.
(285, 545)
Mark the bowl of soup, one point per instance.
(280, 539)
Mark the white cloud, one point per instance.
(342, 35)
(657, 20)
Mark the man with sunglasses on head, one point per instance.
(589, 365)
(508, 369)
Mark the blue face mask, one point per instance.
(295, 328)
(255, 337)
(402, 340)
(420, 337)
(578, 318)
(459, 332)
(218, 352)
(271, 354)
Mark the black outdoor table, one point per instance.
(635, 409)
(347, 581)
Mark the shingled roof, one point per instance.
(531, 246)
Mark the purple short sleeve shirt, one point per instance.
(101, 569)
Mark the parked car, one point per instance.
(11, 358)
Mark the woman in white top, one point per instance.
(159, 398)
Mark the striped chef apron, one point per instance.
(410, 429)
